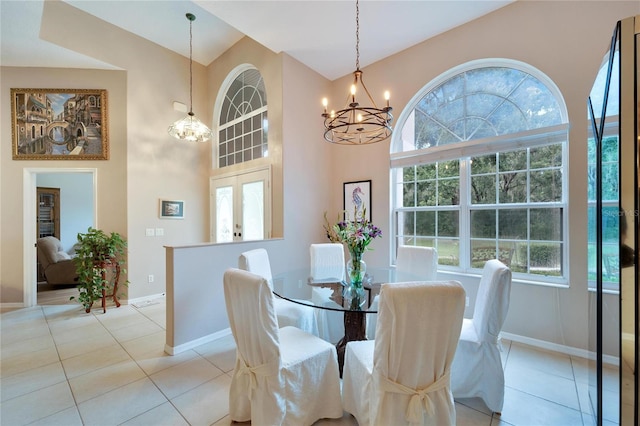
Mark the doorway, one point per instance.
(78, 196)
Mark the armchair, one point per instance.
(57, 264)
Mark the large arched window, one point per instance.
(478, 170)
(242, 127)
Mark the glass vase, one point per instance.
(353, 293)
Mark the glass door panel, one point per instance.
(253, 210)
(224, 214)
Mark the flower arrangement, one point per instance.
(355, 235)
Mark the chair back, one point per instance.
(257, 387)
(257, 261)
(492, 301)
(50, 251)
(417, 334)
(416, 263)
(252, 318)
(327, 261)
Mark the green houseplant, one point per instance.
(99, 262)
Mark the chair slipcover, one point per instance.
(477, 367)
(282, 376)
(403, 377)
(287, 312)
(416, 261)
(413, 263)
(327, 264)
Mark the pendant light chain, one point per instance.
(190, 65)
(357, 35)
(190, 128)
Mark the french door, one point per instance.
(241, 206)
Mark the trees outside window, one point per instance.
(479, 169)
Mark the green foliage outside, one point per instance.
(504, 178)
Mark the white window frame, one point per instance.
(467, 149)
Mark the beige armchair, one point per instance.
(57, 265)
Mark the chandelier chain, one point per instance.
(357, 35)
(358, 124)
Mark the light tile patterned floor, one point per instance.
(61, 366)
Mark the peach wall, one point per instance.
(112, 182)
(564, 40)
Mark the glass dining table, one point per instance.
(297, 287)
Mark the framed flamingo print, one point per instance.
(357, 198)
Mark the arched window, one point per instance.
(478, 170)
(242, 127)
(240, 197)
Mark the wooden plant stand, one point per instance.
(104, 265)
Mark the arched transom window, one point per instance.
(479, 168)
(242, 130)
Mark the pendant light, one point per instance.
(190, 128)
(357, 124)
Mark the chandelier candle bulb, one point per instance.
(386, 97)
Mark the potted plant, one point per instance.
(99, 262)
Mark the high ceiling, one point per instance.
(319, 33)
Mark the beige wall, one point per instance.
(564, 40)
(148, 163)
(112, 174)
(247, 52)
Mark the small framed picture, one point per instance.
(171, 209)
(357, 198)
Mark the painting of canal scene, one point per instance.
(59, 124)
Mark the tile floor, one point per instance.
(61, 366)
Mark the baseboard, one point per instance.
(174, 350)
(568, 350)
(144, 299)
(14, 305)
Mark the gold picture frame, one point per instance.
(59, 124)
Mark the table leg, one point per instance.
(354, 329)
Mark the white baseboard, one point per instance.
(143, 299)
(174, 350)
(568, 350)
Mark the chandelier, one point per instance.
(357, 124)
(190, 128)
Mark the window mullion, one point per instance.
(465, 213)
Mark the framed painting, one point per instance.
(171, 209)
(59, 124)
(357, 200)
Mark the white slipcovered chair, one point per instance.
(287, 312)
(282, 376)
(327, 266)
(477, 367)
(413, 263)
(403, 376)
